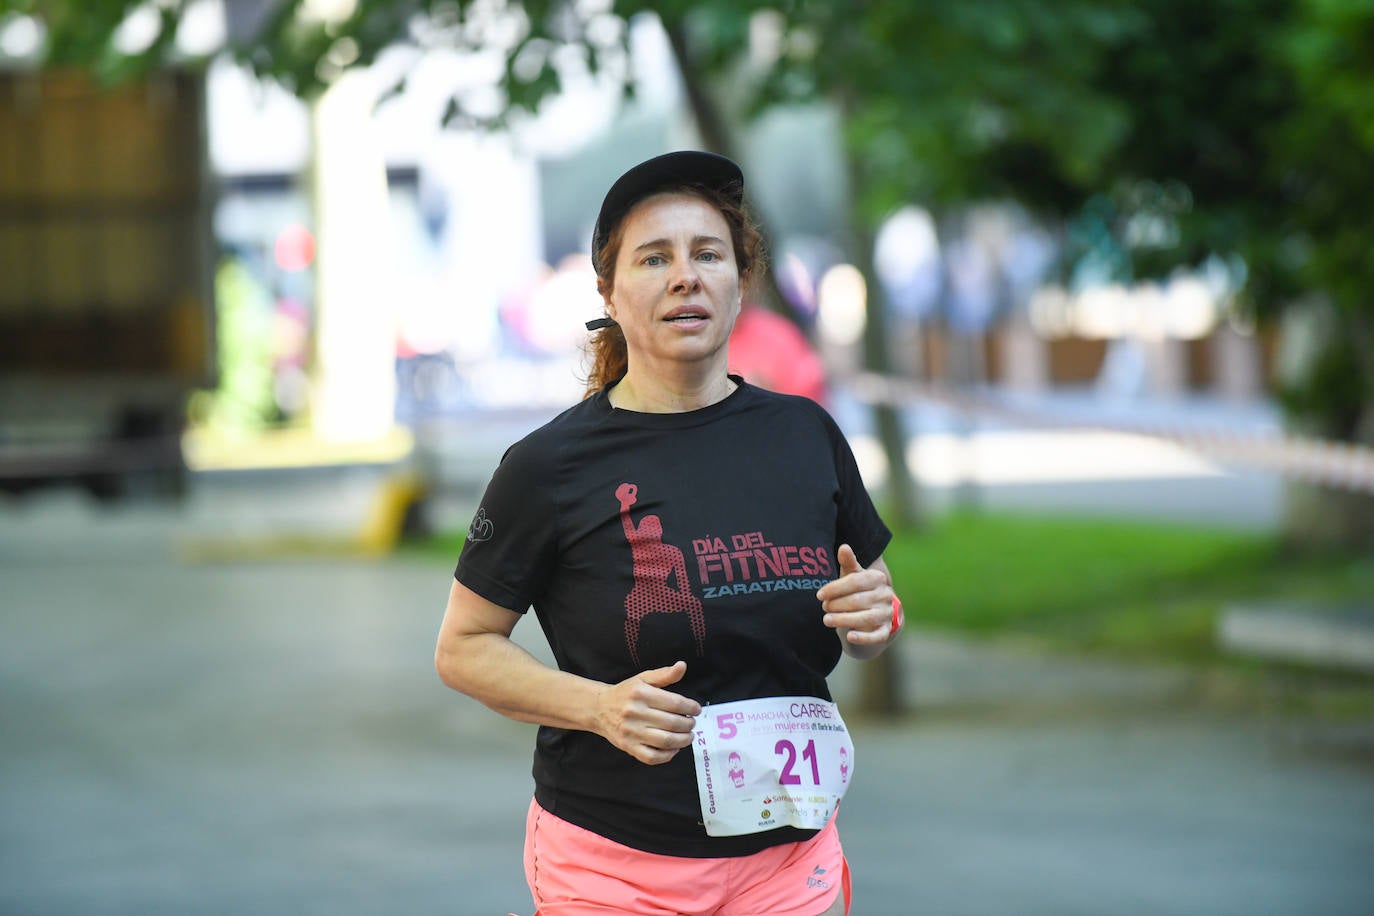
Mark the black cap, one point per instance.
(671, 170)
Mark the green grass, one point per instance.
(1126, 587)
(442, 547)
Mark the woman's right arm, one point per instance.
(476, 656)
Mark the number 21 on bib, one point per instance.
(772, 762)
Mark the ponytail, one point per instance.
(609, 358)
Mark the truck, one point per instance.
(106, 279)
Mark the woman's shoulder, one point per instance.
(795, 407)
(548, 440)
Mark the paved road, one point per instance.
(270, 738)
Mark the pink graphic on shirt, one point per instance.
(654, 563)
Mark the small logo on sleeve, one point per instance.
(481, 527)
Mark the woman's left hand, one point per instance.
(858, 605)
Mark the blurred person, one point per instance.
(698, 552)
(772, 352)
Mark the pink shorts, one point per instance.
(574, 872)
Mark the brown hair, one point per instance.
(607, 354)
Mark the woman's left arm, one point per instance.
(860, 606)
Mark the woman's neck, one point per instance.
(657, 395)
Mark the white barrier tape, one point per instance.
(1334, 464)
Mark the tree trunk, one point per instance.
(1316, 358)
(902, 508)
(883, 683)
(1326, 520)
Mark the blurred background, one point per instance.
(1087, 287)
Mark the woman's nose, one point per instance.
(684, 277)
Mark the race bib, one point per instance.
(773, 762)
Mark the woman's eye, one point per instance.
(653, 260)
(709, 256)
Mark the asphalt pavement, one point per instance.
(264, 733)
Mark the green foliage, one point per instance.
(977, 571)
(980, 100)
(80, 33)
(244, 401)
(1129, 587)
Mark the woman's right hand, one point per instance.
(645, 720)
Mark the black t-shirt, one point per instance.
(641, 539)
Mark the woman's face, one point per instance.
(677, 287)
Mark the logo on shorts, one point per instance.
(815, 879)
